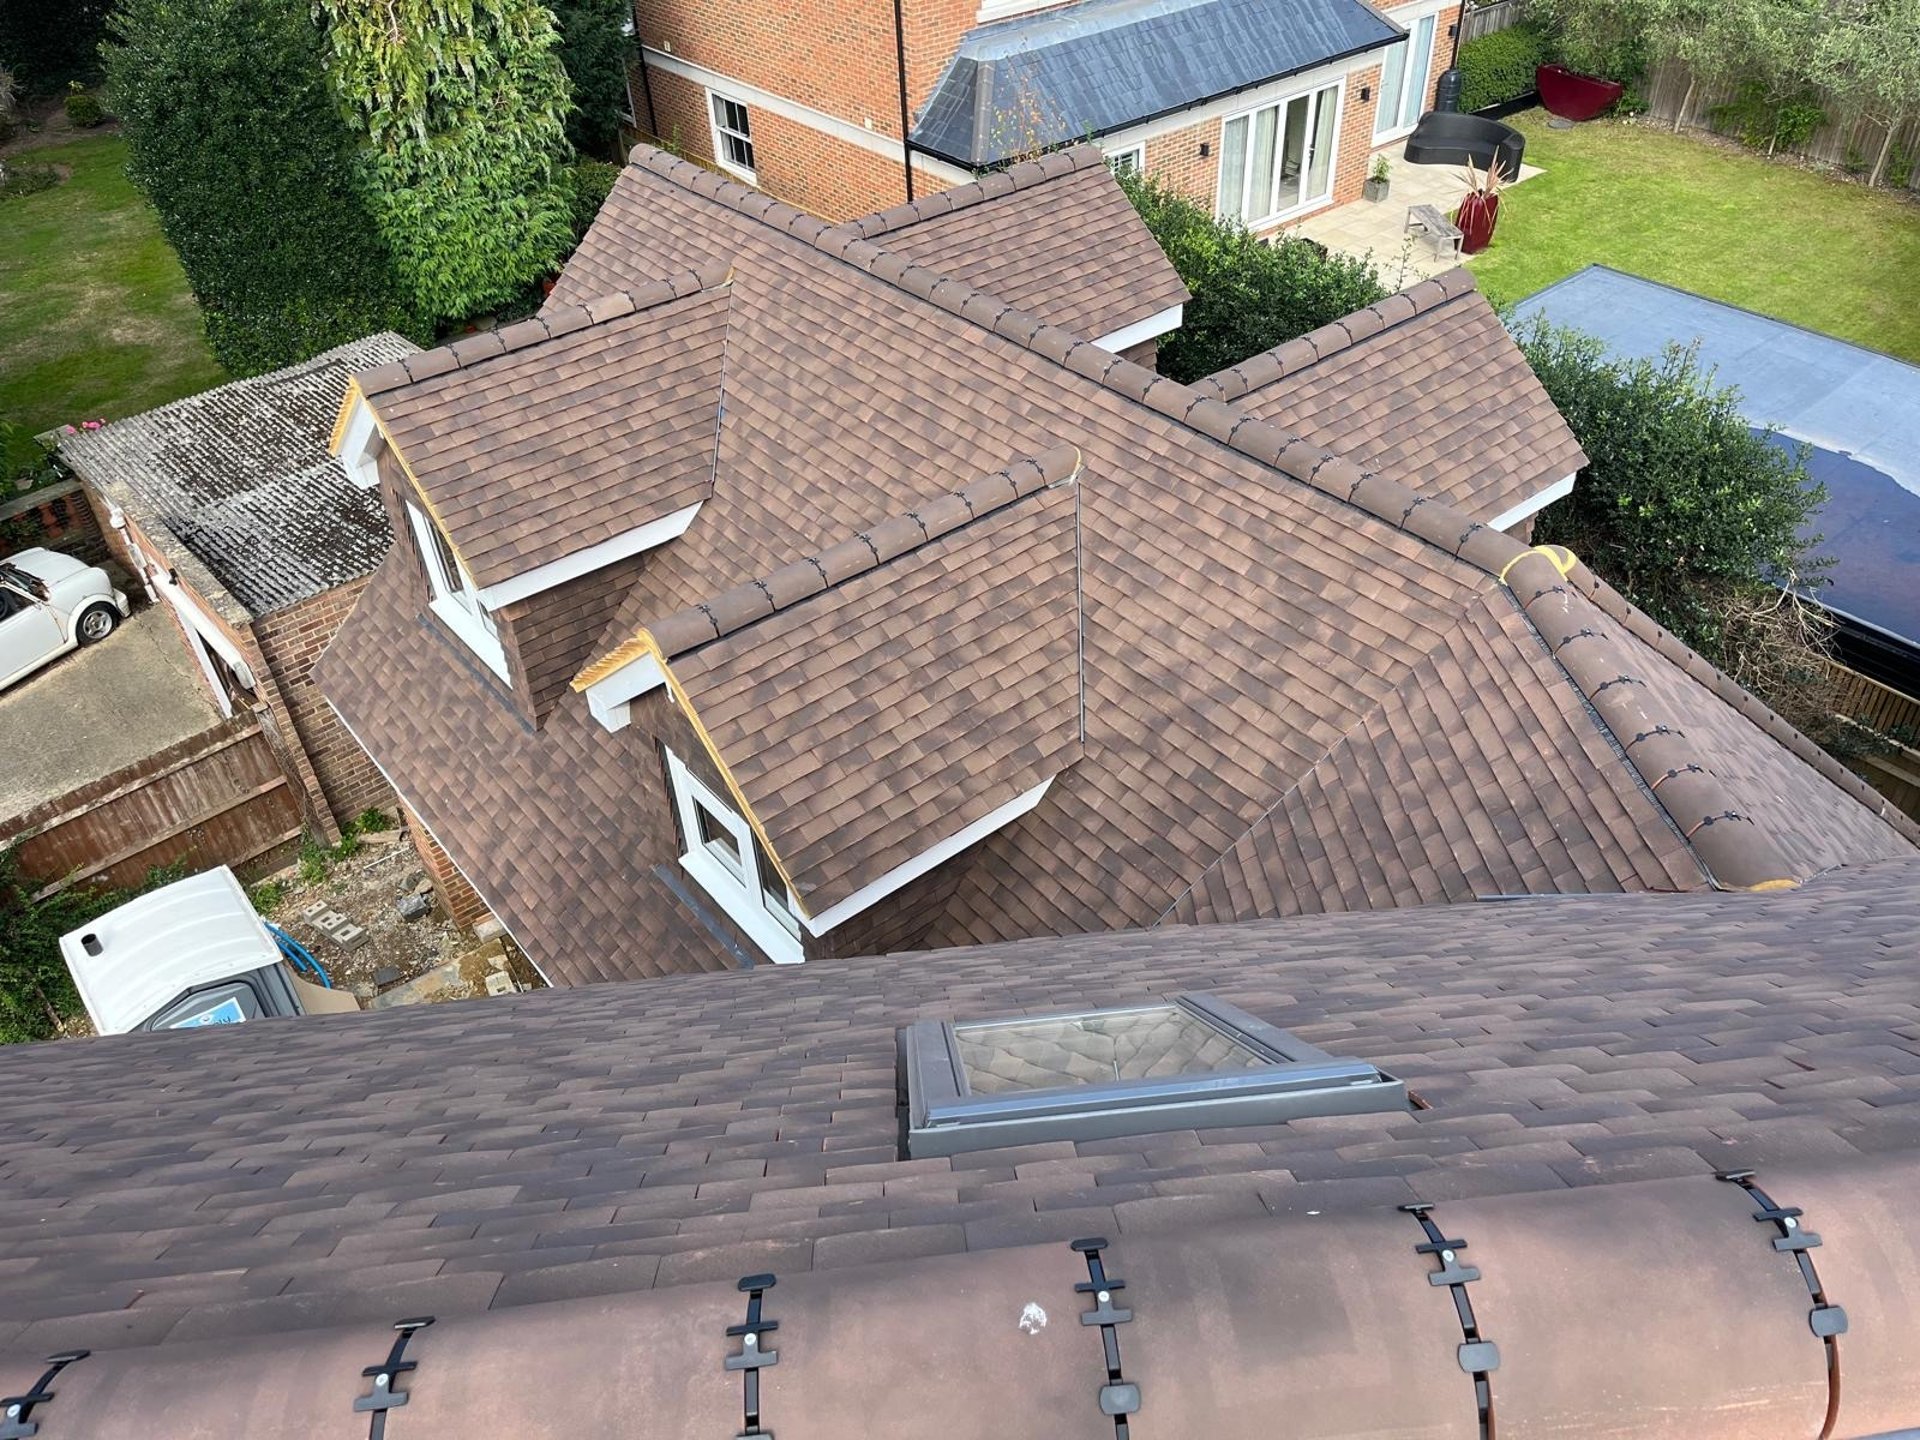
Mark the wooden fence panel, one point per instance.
(1488, 19)
(215, 798)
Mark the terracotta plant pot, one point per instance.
(1573, 96)
(1476, 218)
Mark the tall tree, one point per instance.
(1869, 61)
(236, 137)
(462, 105)
(46, 43)
(596, 40)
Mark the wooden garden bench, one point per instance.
(1436, 227)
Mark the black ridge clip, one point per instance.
(1119, 1397)
(1825, 1318)
(1477, 1355)
(753, 1356)
(384, 1396)
(15, 1410)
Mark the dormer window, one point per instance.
(455, 599)
(727, 858)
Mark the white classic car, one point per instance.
(49, 603)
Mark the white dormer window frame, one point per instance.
(456, 600)
(1128, 159)
(730, 124)
(724, 856)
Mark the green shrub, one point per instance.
(236, 137)
(372, 820)
(1499, 67)
(316, 860)
(1689, 512)
(1248, 296)
(589, 182)
(82, 108)
(1763, 121)
(594, 47)
(47, 43)
(268, 895)
(460, 114)
(26, 180)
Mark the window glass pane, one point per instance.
(1293, 152)
(1392, 81)
(773, 891)
(1144, 1044)
(1418, 62)
(1264, 125)
(719, 839)
(1233, 168)
(1320, 170)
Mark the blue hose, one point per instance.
(298, 954)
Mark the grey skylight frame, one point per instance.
(945, 1116)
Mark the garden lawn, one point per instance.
(96, 320)
(1769, 237)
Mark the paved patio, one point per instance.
(1379, 230)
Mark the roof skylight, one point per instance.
(1188, 1062)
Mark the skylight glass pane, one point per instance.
(1145, 1044)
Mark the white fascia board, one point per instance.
(1533, 505)
(1140, 331)
(610, 700)
(594, 557)
(452, 859)
(196, 620)
(870, 895)
(845, 130)
(356, 442)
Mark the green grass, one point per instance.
(96, 321)
(1770, 237)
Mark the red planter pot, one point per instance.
(1573, 96)
(1476, 218)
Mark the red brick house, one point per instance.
(1267, 110)
(228, 510)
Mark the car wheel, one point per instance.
(96, 623)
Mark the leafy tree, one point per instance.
(1607, 38)
(1869, 60)
(1248, 295)
(235, 136)
(47, 43)
(1697, 518)
(462, 107)
(595, 43)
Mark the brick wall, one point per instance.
(803, 166)
(549, 636)
(460, 900)
(58, 518)
(290, 641)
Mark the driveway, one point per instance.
(98, 709)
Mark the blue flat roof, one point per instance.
(1858, 409)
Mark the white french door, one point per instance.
(1279, 158)
(1403, 80)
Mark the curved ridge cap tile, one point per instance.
(740, 606)
(894, 537)
(1644, 628)
(1364, 324)
(426, 364)
(1327, 340)
(390, 376)
(942, 515)
(469, 349)
(850, 557)
(1457, 282)
(1397, 309)
(793, 583)
(679, 632)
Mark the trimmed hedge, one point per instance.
(235, 136)
(1499, 67)
(1248, 296)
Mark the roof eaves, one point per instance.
(1295, 356)
(1024, 176)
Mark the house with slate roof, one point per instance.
(685, 1209)
(1264, 110)
(775, 596)
(227, 506)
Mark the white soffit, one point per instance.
(594, 557)
(1141, 331)
(1533, 504)
(870, 895)
(610, 700)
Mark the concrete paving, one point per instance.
(1379, 230)
(97, 709)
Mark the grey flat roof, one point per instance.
(1043, 80)
(241, 475)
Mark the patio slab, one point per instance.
(1379, 230)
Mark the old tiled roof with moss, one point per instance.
(1284, 659)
